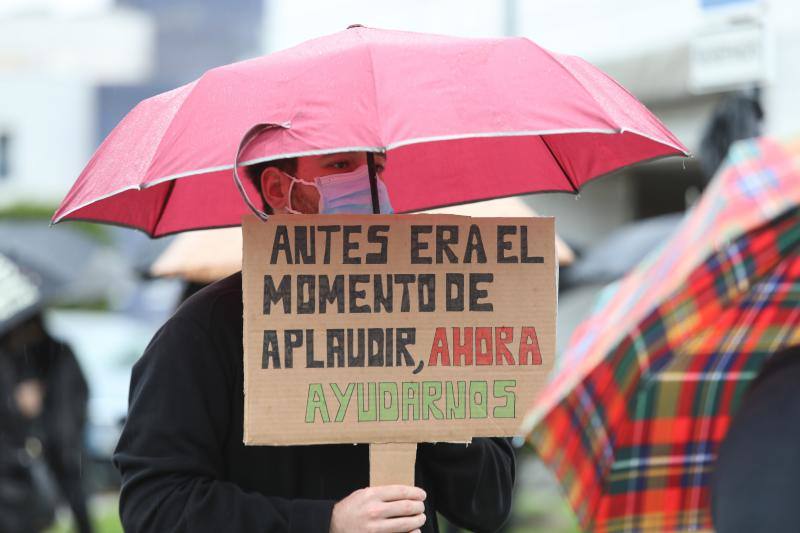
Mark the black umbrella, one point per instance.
(621, 250)
(77, 267)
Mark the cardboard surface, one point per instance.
(392, 463)
(394, 328)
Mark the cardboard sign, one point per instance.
(394, 328)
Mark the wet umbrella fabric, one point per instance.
(461, 119)
(632, 421)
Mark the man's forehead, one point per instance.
(338, 155)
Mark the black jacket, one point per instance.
(184, 467)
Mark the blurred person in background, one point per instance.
(756, 480)
(43, 400)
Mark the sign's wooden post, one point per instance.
(392, 330)
(392, 463)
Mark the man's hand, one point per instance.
(387, 509)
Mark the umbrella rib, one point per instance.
(368, 46)
(558, 161)
(177, 109)
(164, 205)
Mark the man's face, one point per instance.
(305, 199)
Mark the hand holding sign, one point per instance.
(389, 508)
(394, 330)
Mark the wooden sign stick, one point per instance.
(392, 463)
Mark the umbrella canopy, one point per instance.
(621, 250)
(75, 267)
(632, 420)
(206, 256)
(462, 120)
(201, 256)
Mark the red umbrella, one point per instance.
(462, 120)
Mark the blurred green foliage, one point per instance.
(105, 519)
(44, 212)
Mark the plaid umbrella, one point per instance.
(631, 422)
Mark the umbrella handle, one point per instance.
(373, 183)
(248, 137)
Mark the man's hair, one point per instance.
(288, 165)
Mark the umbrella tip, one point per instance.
(351, 26)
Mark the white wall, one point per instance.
(111, 46)
(52, 56)
(781, 98)
(51, 123)
(608, 31)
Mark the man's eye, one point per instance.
(340, 165)
(379, 169)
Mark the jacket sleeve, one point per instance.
(170, 454)
(473, 483)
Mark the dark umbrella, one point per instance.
(21, 293)
(75, 266)
(620, 251)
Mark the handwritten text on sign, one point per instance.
(394, 328)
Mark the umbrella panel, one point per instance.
(457, 171)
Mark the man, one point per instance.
(183, 464)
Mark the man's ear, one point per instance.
(275, 187)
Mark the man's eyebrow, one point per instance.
(326, 158)
(336, 155)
